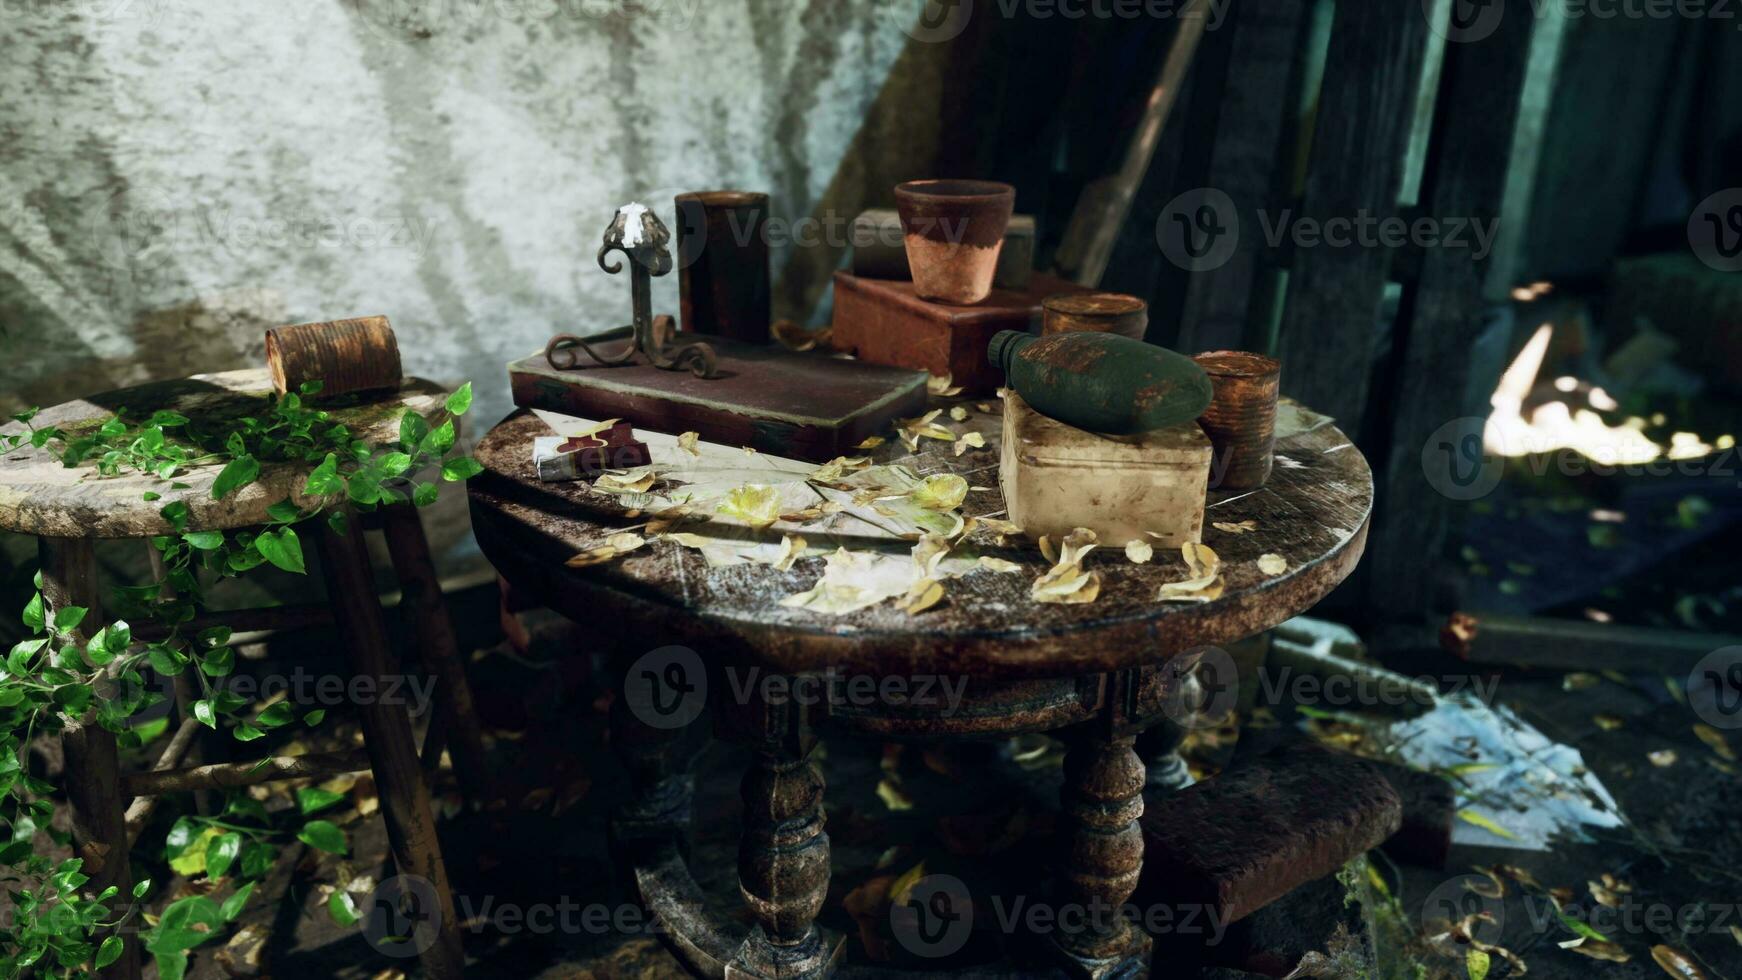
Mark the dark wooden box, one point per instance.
(883, 322)
(805, 406)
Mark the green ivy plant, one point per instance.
(51, 678)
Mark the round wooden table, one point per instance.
(1100, 673)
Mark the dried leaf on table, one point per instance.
(1607, 722)
(945, 491)
(931, 550)
(754, 504)
(1235, 527)
(638, 480)
(944, 386)
(853, 581)
(791, 549)
(1476, 964)
(687, 443)
(1077, 545)
(1272, 564)
(992, 564)
(1139, 552)
(1487, 823)
(1066, 584)
(926, 593)
(614, 547)
(972, 440)
(1580, 680)
(838, 467)
(1662, 758)
(871, 442)
(959, 413)
(1047, 551)
(795, 337)
(1201, 559)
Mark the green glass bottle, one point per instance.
(1102, 382)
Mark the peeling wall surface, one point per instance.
(176, 175)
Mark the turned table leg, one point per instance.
(411, 828)
(661, 786)
(93, 767)
(783, 866)
(438, 647)
(1102, 857)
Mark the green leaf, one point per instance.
(324, 479)
(176, 513)
(191, 860)
(440, 439)
(314, 717)
(412, 429)
(69, 617)
(219, 662)
(312, 799)
(284, 512)
(311, 387)
(394, 464)
(1581, 928)
(165, 660)
(220, 852)
(238, 473)
(33, 615)
(281, 548)
(232, 906)
(205, 540)
(322, 835)
(342, 908)
(461, 468)
(339, 522)
(460, 400)
(1476, 963)
(171, 966)
(425, 494)
(257, 858)
(141, 887)
(247, 733)
(276, 715)
(110, 951)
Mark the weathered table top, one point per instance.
(40, 496)
(1313, 512)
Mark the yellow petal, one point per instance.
(944, 491)
(925, 594)
(754, 504)
(687, 443)
(992, 564)
(871, 442)
(959, 413)
(1272, 564)
(1240, 527)
(1139, 551)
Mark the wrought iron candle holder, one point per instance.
(643, 239)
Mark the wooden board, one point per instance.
(808, 406)
(40, 496)
(1313, 513)
(882, 321)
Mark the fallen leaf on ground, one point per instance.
(1596, 949)
(1677, 963)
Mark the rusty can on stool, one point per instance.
(1117, 313)
(722, 257)
(1241, 419)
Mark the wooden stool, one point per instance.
(69, 509)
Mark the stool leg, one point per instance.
(438, 648)
(392, 750)
(93, 769)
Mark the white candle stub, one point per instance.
(632, 213)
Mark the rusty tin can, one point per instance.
(1117, 313)
(722, 254)
(1241, 419)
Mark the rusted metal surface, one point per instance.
(722, 259)
(1256, 832)
(1313, 512)
(1117, 313)
(1241, 418)
(1102, 382)
(954, 231)
(346, 356)
(642, 238)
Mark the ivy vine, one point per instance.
(51, 678)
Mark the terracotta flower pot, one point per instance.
(954, 230)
